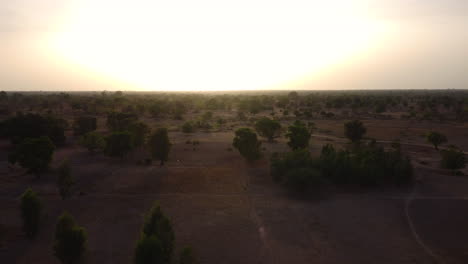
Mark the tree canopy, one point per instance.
(354, 130)
(34, 154)
(160, 145)
(299, 136)
(268, 128)
(246, 142)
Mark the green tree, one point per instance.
(84, 124)
(436, 138)
(31, 210)
(65, 180)
(70, 240)
(158, 225)
(354, 130)
(139, 131)
(268, 128)
(187, 256)
(160, 145)
(299, 136)
(93, 141)
(118, 144)
(246, 142)
(149, 251)
(34, 154)
(452, 158)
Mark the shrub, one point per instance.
(31, 209)
(70, 240)
(188, 127)
(160, 145)
(246, 142)
(354, 130)
(298, 135)
(34, 154)
(452, 158)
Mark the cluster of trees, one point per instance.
(126, 134)
(452, 158)
(249, 146)
(70, 239)
(155, 245)
(366, 165)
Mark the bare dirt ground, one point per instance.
(231, 212)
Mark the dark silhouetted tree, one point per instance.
(139, 131)
(70, 240)
(33, 154)
(299, 136)
(246, 142)
(436, 138)
(158, 225)
(118, 144)
(268, 128)
(31, 210)
(160, 145)
(354, 130)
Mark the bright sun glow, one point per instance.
(207, 45)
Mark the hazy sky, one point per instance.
(227, 45)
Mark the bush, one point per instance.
(298, 135)
(160, 145)
(70, 240)
(65, 180)
(247, 144)
(452, 158)
(31, 209)
(34, 154)
(188, 127)
(354, 130)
